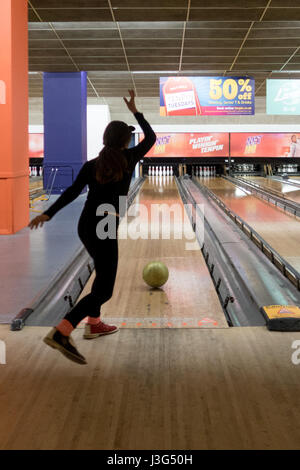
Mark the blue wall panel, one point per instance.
(65, 128)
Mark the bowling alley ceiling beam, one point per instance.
(281, 69)
(123, 47)
(183, 34)
(294, 53)
(64, 47)
(187, 38)
(247, 34)
(241, 47)
(265, 10)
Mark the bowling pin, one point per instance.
(149, 170)
(171, 171)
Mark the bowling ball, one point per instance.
(155, 274)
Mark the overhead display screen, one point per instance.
(283, 97)
(190, 145)
(210, 96)
(265, 145)
(36, 145)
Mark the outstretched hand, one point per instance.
(131, 104)
(39, 220)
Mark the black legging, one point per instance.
(105, 255)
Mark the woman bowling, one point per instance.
(108, 177)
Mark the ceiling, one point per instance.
(126, 44)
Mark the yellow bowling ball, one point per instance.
(155, 274)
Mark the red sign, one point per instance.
(208, 144)
(36, 145)
(264, 145)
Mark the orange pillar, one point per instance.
(14, 159)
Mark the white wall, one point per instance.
(98, 116)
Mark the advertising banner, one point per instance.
(265, 145)
(36, 145)
(211, 96)
(209, 144)
(283, 97)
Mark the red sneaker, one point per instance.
(93, 331)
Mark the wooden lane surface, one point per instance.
(233, 388)
(187, 300)
(279, 229)
(36, 183)
(288, 190)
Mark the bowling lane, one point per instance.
(280, 230)
(188, 299)
(35, 184)
(288, 190)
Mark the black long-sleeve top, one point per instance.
(105, 193)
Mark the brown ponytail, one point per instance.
(111, 164)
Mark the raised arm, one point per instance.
(138, 152)
(71, 193)
(149, 140)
